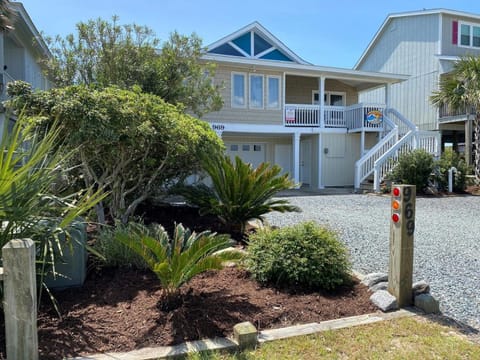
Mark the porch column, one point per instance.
(284, 96)
(388, 90)
(296, 157)
(321, 98)
(362, 143)
(468, 141)
(320, 158)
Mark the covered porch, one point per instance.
(331, 101)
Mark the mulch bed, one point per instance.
(120, 310)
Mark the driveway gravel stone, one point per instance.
(447, 241)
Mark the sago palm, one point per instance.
(239, 192)
(175, 261)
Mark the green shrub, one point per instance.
(448, 159)
(114, 252)
(413, 168)
(305, 254)
(239, 192)
(175, 261)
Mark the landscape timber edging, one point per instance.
(165, 352)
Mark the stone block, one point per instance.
(245, 334)
(374, 278)
(379, 286)
(420, 287)
(427, 303)
(384, 300)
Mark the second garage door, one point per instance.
(253, 153)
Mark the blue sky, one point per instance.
(328, 33)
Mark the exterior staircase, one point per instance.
(399, 136)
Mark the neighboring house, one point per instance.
(20, 50)
(306, 118)
(424, 44)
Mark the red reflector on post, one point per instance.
(395, 217)
(396, 192)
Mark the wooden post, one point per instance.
(20, 300)
(402, 228)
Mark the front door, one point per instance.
(305, 161)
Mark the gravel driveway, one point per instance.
(447, 241)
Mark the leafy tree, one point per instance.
(239, 192)
(106, 53)
(461, 89)
(178, 260)
(128, 143)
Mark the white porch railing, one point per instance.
(350, 117)
(429, 141)
(302, 115)
(356, 116)
(426, 140)
(404, 125)
(365, 165)
(335, 116)
(385, 163)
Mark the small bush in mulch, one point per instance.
(305, 255)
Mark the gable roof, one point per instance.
(390, 18)
(254, 42)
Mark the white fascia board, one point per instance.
(273, 129)
(308, 70)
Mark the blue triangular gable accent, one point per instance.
(260, 44)
(225, 49)
(254, 42)
(276, 55)
(244, 42)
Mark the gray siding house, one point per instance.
(424, 45)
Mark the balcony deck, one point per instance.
(354, 117)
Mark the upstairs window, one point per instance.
(238, 90)
(469, 35)
(273, 92)
(256, 91)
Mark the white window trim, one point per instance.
(459, 35)
(279, 93)
(249, 92)
(328, 93)
(232, 91)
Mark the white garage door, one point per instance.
(253, 153)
